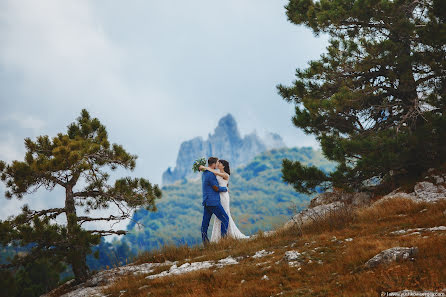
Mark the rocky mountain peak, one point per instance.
(227, 126)
(225, 143)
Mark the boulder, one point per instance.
(291, 255)
(429, 192)
(432, 189)
(358, 199)
(312, 214)
(327, 202)
(391, 255)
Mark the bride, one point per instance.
(223, 180)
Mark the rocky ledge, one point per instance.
(430, 190)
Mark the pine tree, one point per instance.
(76, 161)
(376, 99)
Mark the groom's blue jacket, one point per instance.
(211, 189)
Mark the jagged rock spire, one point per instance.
(225, 143)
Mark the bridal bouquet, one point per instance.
(197, 163)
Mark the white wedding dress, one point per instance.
(233, 231)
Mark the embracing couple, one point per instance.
(215, 181)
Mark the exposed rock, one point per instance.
(391, 255)
(327, 202)
(189, 267)
(397, 194)
(431, 190)
(226, 143)
(312, 214)
(82, 292)
(358, 199)
(102, 279)
(143, 287)
(438, 179)
(265, 234)
(292, 255)
(262, 253)
(417, 230)
(295, 263)
(186, 267)
(293, 258)
(227, 261)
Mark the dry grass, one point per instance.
(339, 273)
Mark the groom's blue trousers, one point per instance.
(220, 213)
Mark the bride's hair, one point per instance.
(226, 164)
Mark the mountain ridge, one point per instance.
(225, 143)
(259, 201)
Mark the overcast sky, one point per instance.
(156, 73)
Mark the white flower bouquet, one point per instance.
(197, 163)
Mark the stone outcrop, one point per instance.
(391, 255)
(432, 189)
(225, 143)
(360, 199)
(99, 281)
(418, 230)
(325, 203)
(95, 285)
(313, 213)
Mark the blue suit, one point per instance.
(212, 205)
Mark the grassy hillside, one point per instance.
(331, 251)
(259, 201)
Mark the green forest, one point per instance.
(259, 201)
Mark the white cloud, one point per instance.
(154, 73)
(58, 47)
(10, 150)
(26, 121)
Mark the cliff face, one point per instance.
(225, 143)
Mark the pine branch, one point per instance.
(55, 180)
(46, 211)
(30, 215)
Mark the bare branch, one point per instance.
(108, 232)
(110, 218)
(88, 194)
(46, 211)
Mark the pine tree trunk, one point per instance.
(76, 255)
(407, 88)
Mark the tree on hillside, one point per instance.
(76, 161)
(32, 279)
(376, 99)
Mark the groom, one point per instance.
(211, 201)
